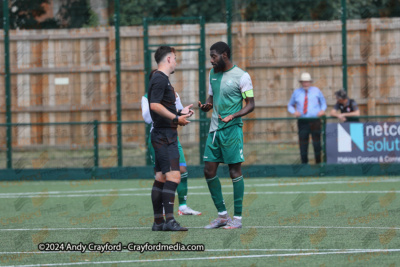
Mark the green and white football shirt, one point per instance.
(227, 88)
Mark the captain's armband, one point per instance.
(248, 94)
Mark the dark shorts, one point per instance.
(165, 144)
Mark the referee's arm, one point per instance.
(162, 111)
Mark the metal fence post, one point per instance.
(7, 77)
(324, 139)
(202, 88)
(118, 82)
(228, 6)
(344, 45)
(147, 70)
(96, 143)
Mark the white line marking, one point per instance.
(207, 250)
(212, 258)
(281, 184)
(68, 182)
(77, 191)
(207, 193)
(247, 227)
(319, 227)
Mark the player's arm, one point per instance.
(208, 105)
(250, 105)
(209, 102)
(146, 110)
(246, 88)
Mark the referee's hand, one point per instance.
(182, 120)
(205, 107)
(187, 111)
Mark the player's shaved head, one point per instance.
(162, 51)
(220, 48)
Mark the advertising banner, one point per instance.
(354, 143)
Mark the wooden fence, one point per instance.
(69, 75)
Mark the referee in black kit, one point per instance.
(166, 119)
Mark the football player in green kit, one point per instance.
(228, 87)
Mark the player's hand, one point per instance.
(321, 113)
(182, 120)
(187, 111)
(226, 119)
(205, 107)
(341, 117)
(297, 114)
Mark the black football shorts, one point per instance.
(165, 144)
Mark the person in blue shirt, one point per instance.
(308, 102)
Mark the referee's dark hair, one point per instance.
(341, 94)
(221, 47)
(162, 51)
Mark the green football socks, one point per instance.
(238, 192)
(214, 185)
(182, 189)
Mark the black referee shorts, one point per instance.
(165, 144)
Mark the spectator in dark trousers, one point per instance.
(348, 107)
(308, 104)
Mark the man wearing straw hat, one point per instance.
(308, 104)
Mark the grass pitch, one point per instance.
(305, 221)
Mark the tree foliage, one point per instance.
(299, 10)
(77, 13)
(132, 11)
(23, 14)
(74, 13)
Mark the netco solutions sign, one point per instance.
(353, 143)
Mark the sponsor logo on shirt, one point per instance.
(229, 82)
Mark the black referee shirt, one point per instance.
(161, 91)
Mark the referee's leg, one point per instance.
(173, 177)
(158, 185)
(167, 163)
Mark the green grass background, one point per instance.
(309, 205)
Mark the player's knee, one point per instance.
(183, 169)
(209, 173)
(235, 173)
